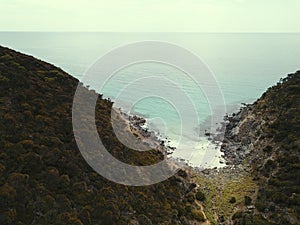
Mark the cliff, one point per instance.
(43, 177)
(260, 182)
(265, 137)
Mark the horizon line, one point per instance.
(191, 32)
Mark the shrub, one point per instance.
(248, 200)
(232, 200)
(200, 196)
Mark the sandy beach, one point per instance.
(137, 135)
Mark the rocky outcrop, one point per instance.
(264, 136)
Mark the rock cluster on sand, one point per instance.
(234, 146)
(138, 126)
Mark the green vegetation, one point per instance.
(219, 191)
(200, 196)
(275, 157)
(232, 200)
(43, 177)
(279, 195)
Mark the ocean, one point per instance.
(244, 66)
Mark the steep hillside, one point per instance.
(266, 136)
(43, 177)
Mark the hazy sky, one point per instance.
(151, 15)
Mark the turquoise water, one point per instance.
(245, 65)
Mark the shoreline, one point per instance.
(137, 125)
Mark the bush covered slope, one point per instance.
(43, 177)
(279, 195)
(269, 132)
